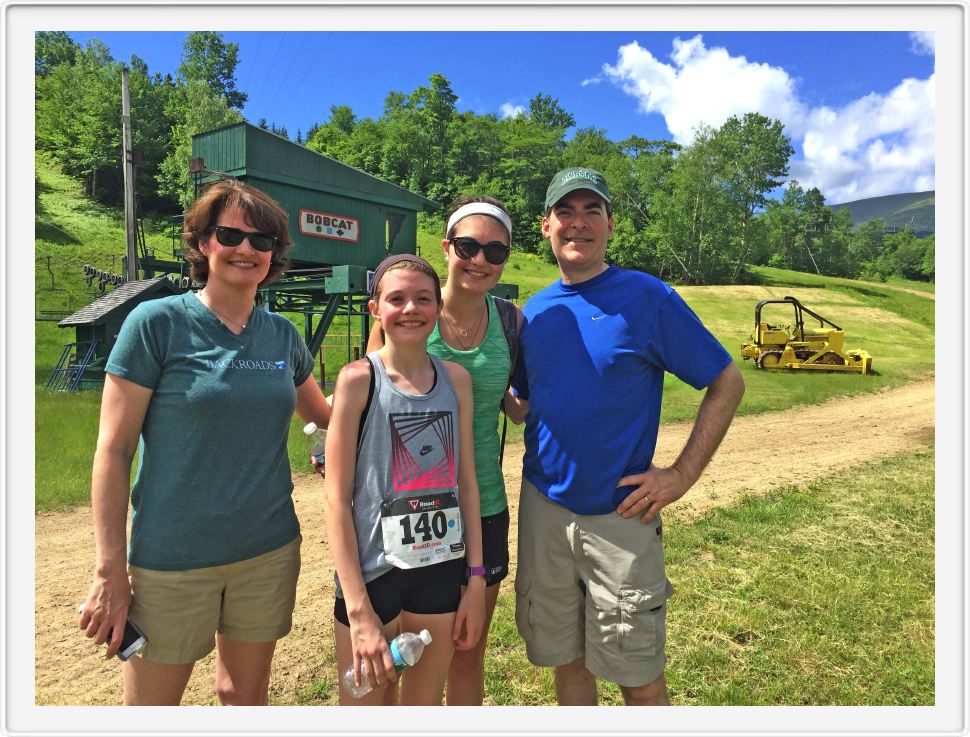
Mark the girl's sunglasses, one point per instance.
(495, 253)
(232, 237)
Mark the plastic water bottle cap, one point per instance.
(425, 637)
(309, 428)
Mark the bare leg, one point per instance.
(147, 683)
(652, 694)
(466, 676)
(345, 659)
(575, 686)
(242, 671)
(423, 684)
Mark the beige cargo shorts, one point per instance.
(593, 586)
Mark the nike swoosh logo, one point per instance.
(598, 317)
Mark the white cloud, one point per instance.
(923, 42)
(591, 80)
(876, 145)
(509, 110)
(702, 86)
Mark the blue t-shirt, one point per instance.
(595, 354)
(213, 484)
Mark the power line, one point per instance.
(269, 69)
(296, 56)
(312, 64)
(249, 77)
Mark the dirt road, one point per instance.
(73, 672)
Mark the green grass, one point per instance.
(911, 306)
(73, 231)
(896, 328)
(823, 596)
(65, 433)
(926, 287)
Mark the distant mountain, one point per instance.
(915, 210)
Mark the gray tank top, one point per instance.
(408, 448)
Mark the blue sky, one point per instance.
(858, 106)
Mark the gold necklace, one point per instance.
(240, 325)
(459, 332)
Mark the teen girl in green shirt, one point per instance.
(469, 332)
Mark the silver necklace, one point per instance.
(240, 325)
(459, 332)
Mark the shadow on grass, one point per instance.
(53, 234)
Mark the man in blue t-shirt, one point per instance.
(590, 585)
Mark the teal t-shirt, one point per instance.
(489, 364)
(213, 484)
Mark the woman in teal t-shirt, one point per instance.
(469, 332)
(206, 384)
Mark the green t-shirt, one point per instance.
(489, 365)
(213, 484)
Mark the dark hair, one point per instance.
(408, 263)
(467, 199)
(260, 211)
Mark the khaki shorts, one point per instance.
(180, 611)
(593, 586)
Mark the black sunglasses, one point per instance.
(232, 237)
(495, 252)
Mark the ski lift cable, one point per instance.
(293, 61)
(313, 63)
(269, 69)
(249, 77)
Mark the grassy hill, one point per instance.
(914, 210)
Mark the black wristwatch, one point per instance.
(474, 571)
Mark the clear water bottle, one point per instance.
(405, 649)
(317, 440)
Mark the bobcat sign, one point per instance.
(327, 225)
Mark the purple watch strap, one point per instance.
(475, 571)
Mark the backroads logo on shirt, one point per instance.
(248, 365)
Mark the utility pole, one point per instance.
(128, 167)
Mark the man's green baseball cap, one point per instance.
(576, 177)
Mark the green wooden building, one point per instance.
(339, 215)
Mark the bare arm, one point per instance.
(658, 487)
(516, 408)
(123, 408)
(471, 612)
(366, 632)
(311, 405)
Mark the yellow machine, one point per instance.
(811, 349)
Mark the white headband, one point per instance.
(478, 208)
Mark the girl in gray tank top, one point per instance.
(402, 498)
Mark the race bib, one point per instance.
(422, 530)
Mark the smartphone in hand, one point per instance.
(131, 642)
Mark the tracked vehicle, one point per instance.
(774, 347)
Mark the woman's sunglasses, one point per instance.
(496, 253)
(232, 237)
